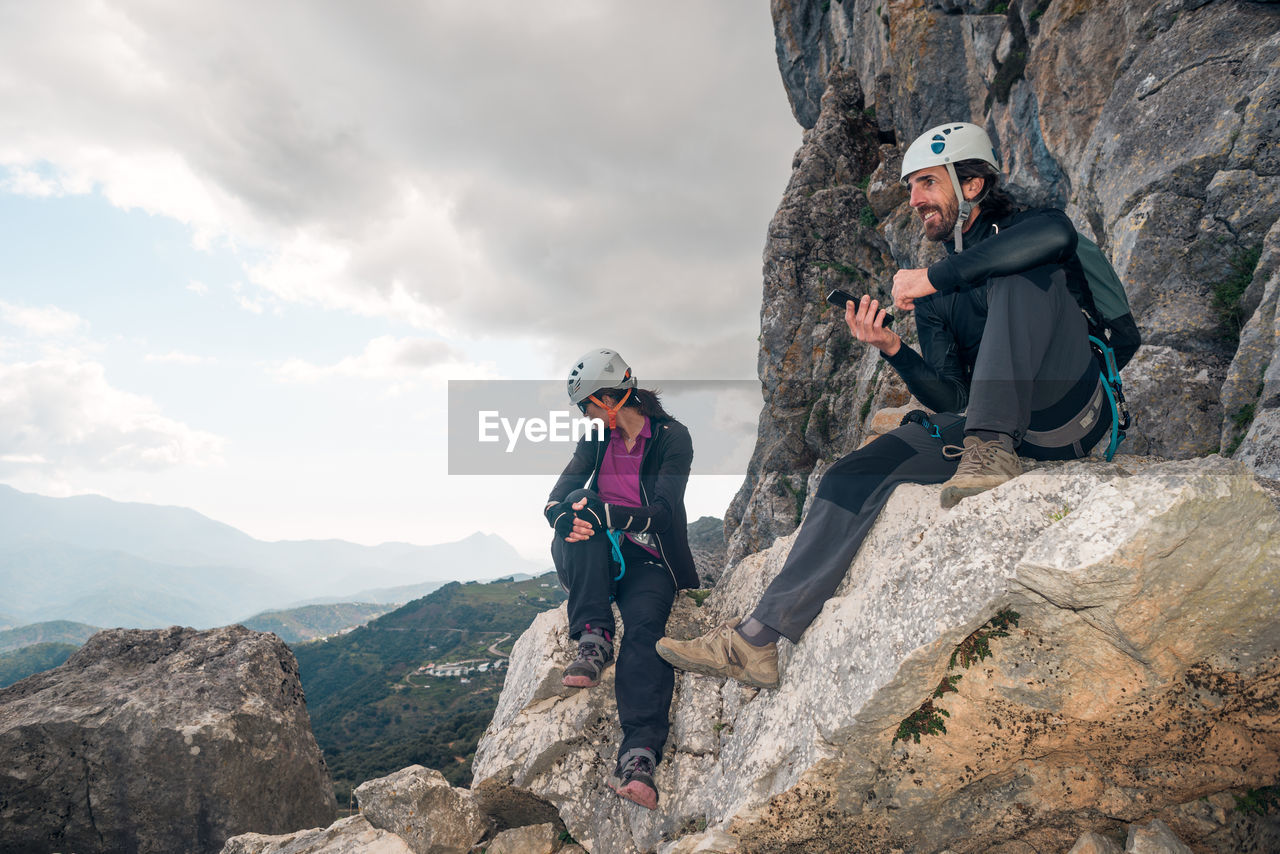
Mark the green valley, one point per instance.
(374, 709)
(18, 664)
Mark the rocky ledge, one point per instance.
(1088, 649)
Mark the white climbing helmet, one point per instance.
(946, 145)
(596, 370)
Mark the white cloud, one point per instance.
(62, 413)
(24, 181)
(564, 178)
(173, 357)
(253, 305)
(412, 265)
(402, 361)
(44, 321)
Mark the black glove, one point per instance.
(560, 517)
(593, 512)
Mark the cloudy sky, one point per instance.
(246, 246)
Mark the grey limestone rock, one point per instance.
(1157, 126)
(415, 811)
(1251, 393)
(160, 741)
(530, 839)
(1166, 387)
(1261, 446)
(1154, 838)
(420, 806)
(706, 541)
(352, 835)
(822, 237)
(1095, 843)
(1139, 676)
(706, 842)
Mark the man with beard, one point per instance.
(1004, 363)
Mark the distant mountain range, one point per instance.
(310, 622)
(35, 647)
(93, 560)
(57, 631)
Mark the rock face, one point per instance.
(1141, 681)
(706, 541)
(1155, 124)
(823, 236)
(159, 741)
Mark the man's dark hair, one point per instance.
(643, 399)
(993, 199)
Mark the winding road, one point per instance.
(493, 647)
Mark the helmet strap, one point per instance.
(611, 410)
(965, 208)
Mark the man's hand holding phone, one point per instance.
(867, 321)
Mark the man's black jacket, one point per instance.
(950, 323)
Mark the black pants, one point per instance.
(643, 682)
(850, 497)
(1034, 369)
(1034, 349)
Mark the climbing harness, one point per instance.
(919, 416)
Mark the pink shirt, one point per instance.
(619, 481)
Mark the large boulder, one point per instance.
(420, 806)
(1137, 677)
(160, 741)
(416, 811)
(353, 835)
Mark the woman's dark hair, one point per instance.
(993, 198)
(643, 399)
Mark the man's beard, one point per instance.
(941, 226)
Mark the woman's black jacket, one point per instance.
(664, 473)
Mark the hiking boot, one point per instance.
(633, 778)
(594, 654)
(724, 652)
(983, 465)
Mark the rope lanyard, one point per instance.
(1115, 394)
(615, 538)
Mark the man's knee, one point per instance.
(852, 479)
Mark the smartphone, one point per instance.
(838, 298)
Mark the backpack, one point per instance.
(1105, 304)
(1113, 333)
